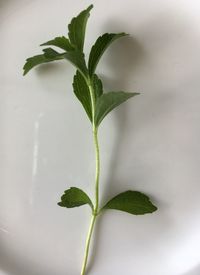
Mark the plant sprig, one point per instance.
(88, 88)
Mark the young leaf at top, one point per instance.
(99, 48)
(61, 42)
(107, 102)
(48, 56)
(82, 92)
(77, 28)
(132, 202)
(74, 197)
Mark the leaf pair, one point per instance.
(132, 202)
(73, 46)
(104, 103)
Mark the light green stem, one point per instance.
(96, 143)
(96, 205)
(88, 244)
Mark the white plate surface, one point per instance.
(150, 144)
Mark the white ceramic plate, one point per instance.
(150, 144)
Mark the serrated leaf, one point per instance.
(107, 102)
(51, 53)
(99, 48)
(61, 42)
(133, 202)
(82, 92)
(74, 197)
(48, 56)
(77, 59)
(77, 28)
(97, 86)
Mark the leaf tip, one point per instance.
(61, 204)
(25, 69)
(154, 208)
(90, 7)
(134, 94)
(121, 34)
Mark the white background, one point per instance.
(149, 144)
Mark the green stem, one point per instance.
(96, 205)
(96, 143)
(88, 244)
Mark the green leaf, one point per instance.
(61, 42)
(99, 48)
(97, 86)
(48, 56)
(77, 28)
(132, 202)
(77, 59)
(107, 102)
(74, 197)
(51, 53)
(82, 92)
(34, 61)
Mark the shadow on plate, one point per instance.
(194, 271)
